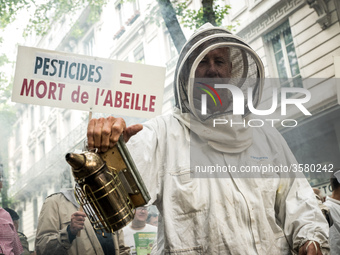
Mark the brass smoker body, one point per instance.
(100, 192)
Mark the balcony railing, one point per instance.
(50, 165)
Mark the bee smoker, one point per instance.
(108, 186)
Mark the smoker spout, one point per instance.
(76, 161)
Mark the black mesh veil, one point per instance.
(246, 72)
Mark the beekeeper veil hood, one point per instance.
(214, 70)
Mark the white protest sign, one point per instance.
(66, 80)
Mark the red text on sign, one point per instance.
(41, 89)
(126, 100)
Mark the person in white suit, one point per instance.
(192, 167)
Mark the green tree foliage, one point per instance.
(9, 9)
(209, 12)
(45, 13)
(54, 10)
(193, 19)
(169, 10)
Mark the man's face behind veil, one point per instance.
(214, 68)
(215, 64)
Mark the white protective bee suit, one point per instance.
(227, 213)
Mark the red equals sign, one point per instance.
(125, 75)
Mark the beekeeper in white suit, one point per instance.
(227, 212)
